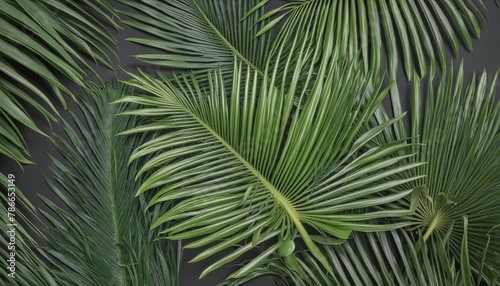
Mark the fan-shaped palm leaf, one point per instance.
(249, 166)
(104, 238)
(460, 132)
(459, 125)
(43, 40)
(415, 30)
(200, 34)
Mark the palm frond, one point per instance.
(416, 31)
(460, 135)
(382, 258)
(455, 129)
(44, 40)
(200, 34)
(101, 236)
(232, 160)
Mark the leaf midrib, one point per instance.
(112, 192)
(226, 42)
(284, 202)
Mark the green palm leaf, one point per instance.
(232, 160)
(101, 236)
(42, 41)
(459, 126)
(460, 133)
(200, 34)
(455, 129)
(417, 31)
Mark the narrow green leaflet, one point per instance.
(250, 166)
(99, 233)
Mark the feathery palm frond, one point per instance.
(382, 258)
(232, 160)
(200, 34)
(104, 238)
(43, 40)
(415, 30)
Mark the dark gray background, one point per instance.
(484, 57)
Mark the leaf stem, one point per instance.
(435, 221)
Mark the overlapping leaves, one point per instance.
(249, 166)
(200, 34)
(460, 131)
(100, 233)
(417, 31)
(257, 152)
(42, 41)
(382, 258)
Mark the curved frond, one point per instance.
(416, 31)
(251, 167)
(99, 233)
(200, 34)
(42, 41)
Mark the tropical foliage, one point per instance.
(47, 42)
(382, 258)
(270, 134)
(232, 160)
(460, 135)
(99, 234)
(193, 35)
(450, 242)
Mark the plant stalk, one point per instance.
(431, 228)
